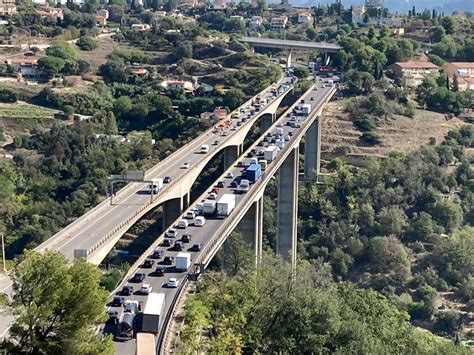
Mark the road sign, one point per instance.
(130, 176)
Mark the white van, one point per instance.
(205, 148)
(199, 221)
(182, 224)
(190, 215)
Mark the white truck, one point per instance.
(204, 149)
(183, 261)
(209, 207)
(306, 109)
(155, 185)
(225, 205)
(270, 153)
(153, 312)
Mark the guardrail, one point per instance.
(137, 213)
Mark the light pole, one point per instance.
(3, 255)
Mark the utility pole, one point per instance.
(3, 255)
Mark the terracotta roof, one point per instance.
(463, 65)
(417, 65)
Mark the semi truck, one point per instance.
(146, 344)
(153, 313)
(156, 185)
(183, 261)
(225, 205)
(306, 109)
(270, 153)
(125, 326)
(209, 207)
(253, 173)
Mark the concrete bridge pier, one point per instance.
(251, 228)
(312, 149)
(288, 59)
(287, 215)
(172, 210)
(266, 121)
(231, 153)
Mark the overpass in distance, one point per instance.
(96, 232)
(322, 47)
(247, 216)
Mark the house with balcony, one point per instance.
(279, 23)
(305, 17)
(7, 8)
(464, 73)
(413, 72)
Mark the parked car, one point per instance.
(148, 263)
(146, 289)
(186, 238)
(216, 142)
(212, 196)
(221, 184)
(215, 190)
(157, 253)
(127, 290)
(166, 243)
(168, 260)
(113, 316)
(138, 277)
(197, 247)
(167, 179)
(117, 301)
(173, 282)
(190, 215)
(160, 271)
(230, 175)
(178, 245)
(234, 184)
(186, 166)
(172, 232)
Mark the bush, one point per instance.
(7, 95)
(365, 123)
(68, 110)
(447, 323)
(87, 43)
(110, 280)
(371, 138)
(301, 72)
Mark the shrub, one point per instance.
(371, 138)
(87, 43)
(7, 95)
(447, 323)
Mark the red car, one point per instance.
(215, 190)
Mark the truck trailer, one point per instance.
(209, 207)
(253, 172)
(146, 344)
(153, 312)
(270, 153)
(156, 185)
(306, 109)
(225, 205)
(183, 261)
(125, 326)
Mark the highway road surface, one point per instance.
(203, 234)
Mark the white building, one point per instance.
(358, 12)
(279, 23)
(304, 17)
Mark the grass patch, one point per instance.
(25, 111)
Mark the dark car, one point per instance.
(186, 238)
(117, 301)
(234, 184)
(240, 164)
(160, 271)
(221, 184)
(260, 144)
(311, 99)
(166, 243)
(168, 260)
(113, 317)
(302, 101)
(148, 263)
(269, 134)
(249, 155)
(178, 245)
(167, 179)
(197, 247)
(127, 290)
(157, 254)
(265, 139)
(216, 142)
(215, 190)
(138, 277)
(290, 133)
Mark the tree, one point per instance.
(87, 43)
(184, 50)
(7, 95)
(56, 306)
(449, 24)
(233, 98)
(301, 72)
(114, 70)
(51, 65)
(63, 50)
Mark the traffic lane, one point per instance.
(91, 234)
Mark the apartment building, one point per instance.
(413, 72)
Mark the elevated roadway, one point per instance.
(322, 47)
(247, 216)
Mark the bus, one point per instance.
(146, 344)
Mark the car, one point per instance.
(148, 263)
(160, 271)
(196, 247)
(239, 123)
(234, 184)
(311, 99)
(287, 138)
(221, 184)
(290, 133)
(127, 290)
(118, 301)
(166, 243)
(216, 142)
(168, 260)
(186, 166)
(167, 179)
(230, 175)
(173, 282)
(113, 316)
(186, 238)
(190, 214)
(279, 124)
(240, 164)
(302, 101)
(171, 233)
(138, 277)
(212, 196)
(146, 289)
(265, 139)
(178, 245)
(233, 129)
(215, 190)
(260, 144)
(157, 254)
(269, 134)
(249, 155)
(224, 134)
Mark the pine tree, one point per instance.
(455, 85)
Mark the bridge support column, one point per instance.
(267, 121)
(312, 149)
(231, 154)
(251, 228)
(171, 211)
(288, 207)
(186, 200)
(288, 60)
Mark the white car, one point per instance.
(190, 215)
(186, 166)
(279, 124)
(146, 289)
(212, 196)
(171, 233)
(173, 282)
(230, 175)
(287, 138)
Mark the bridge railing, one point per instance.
(132, 219)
